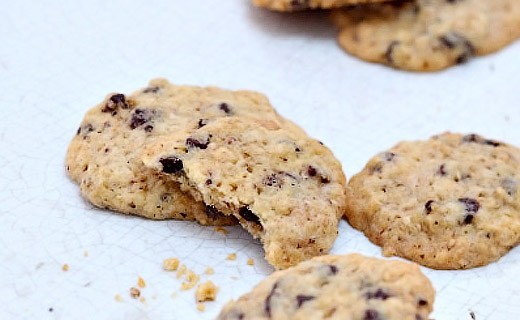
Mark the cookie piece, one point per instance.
(102, 155)
(338, 287)
(427, 35)
(451, 202)
(285, 188)
(298, 5)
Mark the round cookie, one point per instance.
(102, 156)
(284, 188)
(451, 202)
(427, 35)
(298, 5)
(350, 287)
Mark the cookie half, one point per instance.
(285, 188)
(298, 5)
(450, 202)
(427, 35)
(102, 156)
(338, 287)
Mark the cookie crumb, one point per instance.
(85, 253)
(251, 261)
(191, 280)
(65, 267)
(209, 271)
(181, 271)
(118, 298)
(171, 264)
(231, 256)
(51, 309)
(472, 315)
(206, 291)
(142, 300)
(222, 230)
(201, 307)
(141, 283)
(134, 292)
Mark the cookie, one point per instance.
(450, 202)
(427, 35)
(338, 287)
(298, 5)
(284, 187)
(102, 156)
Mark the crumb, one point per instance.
(191, 280)
(65, 267)
(141, 283)
(134, 292)
(251, 261)
(171, 264)
(472, 315)
(201, 307)
(85, 253)
(51, 309)
(209, 271)
(118, 298)
(181, 271)
(206, 291)
(142, 300)
(231, 256)
(221, 230)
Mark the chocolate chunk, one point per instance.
(509, 186)
(379, 294)
(301, 299)
(389, 156)
(194, 143)
(267, 304)
(452, 40)
(371, 314)
(148, 128)
(442, 170)
(333, 269)
(478, 139)
(184, 215)
(324, 179)
(114, 102)
(390, 50)
(208, 182)
(311, 171)
(472, 205)
(140, 117)
(428, 206)
(171, 164)
(202, 123)
(225, 107)
(86, 129)
(151, 90)
(468, 219)
(422, 302)
(273, 180)
(212, 211)
(248, 215)
(299, 4)
(492, 143)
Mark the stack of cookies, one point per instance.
(417, 35)
(222, 157)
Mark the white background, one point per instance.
(59, 58)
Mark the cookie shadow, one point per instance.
(311, 23)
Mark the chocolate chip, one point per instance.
(267, 304)
(225, 107)
(468, 219)
(86, 129)
(379, 294)
(311, 171)
(208, 182)
(114, 102)
(492, 143)
(389, 156)
(212, 211)
(422, 302)
(428, 206)
(478, 139)
(299, 4)
(248, 215)
(324, 179)
(140, 117)
(184, 215)
(452, 40)
(273, 180)
(472, 205)
(78, 131)
(194, 143)
(371, 314)
(390, 50)
(442, 170)
(333, 269)
(148, 128)
(301, 299)
(202, 123)
(171, 164)
(151, 90)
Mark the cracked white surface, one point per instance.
(59, 58)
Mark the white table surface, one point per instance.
(59, 58)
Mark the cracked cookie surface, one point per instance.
(427, 35)
(101, 158)
(284, 187)
(450, 202)
(338, 287)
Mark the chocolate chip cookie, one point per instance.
(427, 35)
(450, 202)
(298, 5)
(102, 156)
(338, 287)
(284, 187)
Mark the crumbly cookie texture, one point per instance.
(102, 156)
(284, 187)
(427, 35)
(298, 5)
(338, 287)
(451, 202)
